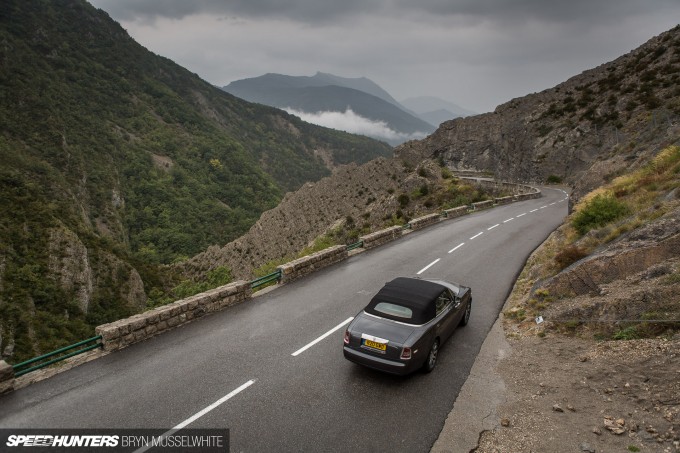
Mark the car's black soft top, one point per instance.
(418, 295)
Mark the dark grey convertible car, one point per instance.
(405, 324)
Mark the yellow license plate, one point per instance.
(375, 345)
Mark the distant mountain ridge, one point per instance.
(329, 93)
(435, 110)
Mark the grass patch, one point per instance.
(629, 333)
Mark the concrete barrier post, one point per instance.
(381, 237)
(310, 263)
(6, 377)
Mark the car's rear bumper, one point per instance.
(378, 363)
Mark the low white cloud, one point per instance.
(349, 121)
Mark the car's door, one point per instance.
(446, 310)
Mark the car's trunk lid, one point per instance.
(380, 330)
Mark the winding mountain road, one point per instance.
(271, 369)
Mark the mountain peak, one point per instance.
(355, 105)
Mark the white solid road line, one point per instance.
(456, 247)
(304, 348)
(492, 227)
(200, 414)
(477, 235)
(428, 266)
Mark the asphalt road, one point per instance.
(314, 400)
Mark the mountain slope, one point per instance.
(328, 93)
(584, 131)
(114, 161)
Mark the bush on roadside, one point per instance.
(598, 212)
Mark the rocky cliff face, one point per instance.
(584, 131)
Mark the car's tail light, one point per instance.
(405, 353)
(346, 339)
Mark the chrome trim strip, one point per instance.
(366, 336)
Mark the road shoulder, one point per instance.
(476, 408)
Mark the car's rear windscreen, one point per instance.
(394, 310)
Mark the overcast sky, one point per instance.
(475, 53)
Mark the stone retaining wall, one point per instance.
(310, 263)
(6, 377)
(456, 212)
(124, 332)
(528, 196)
(504, 200)
(378, 238)
(510, 187)
(422, 222)
(482, 204)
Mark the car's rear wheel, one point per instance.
(431, 360)
(466, 317)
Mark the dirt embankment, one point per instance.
(584, 380)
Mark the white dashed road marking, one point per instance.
(428, 266)
(456, 247)
(309, 345)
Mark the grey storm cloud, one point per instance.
(475, 53)
(584, 11)
(296, 10)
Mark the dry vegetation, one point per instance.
(605, 221)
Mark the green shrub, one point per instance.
(544, 130)
(629, 333)
(403, 200)
(598, 212)
(554, 179)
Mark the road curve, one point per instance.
(271, 369)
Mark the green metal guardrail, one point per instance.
(274, 276)
(356, 245)
(20, 370)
